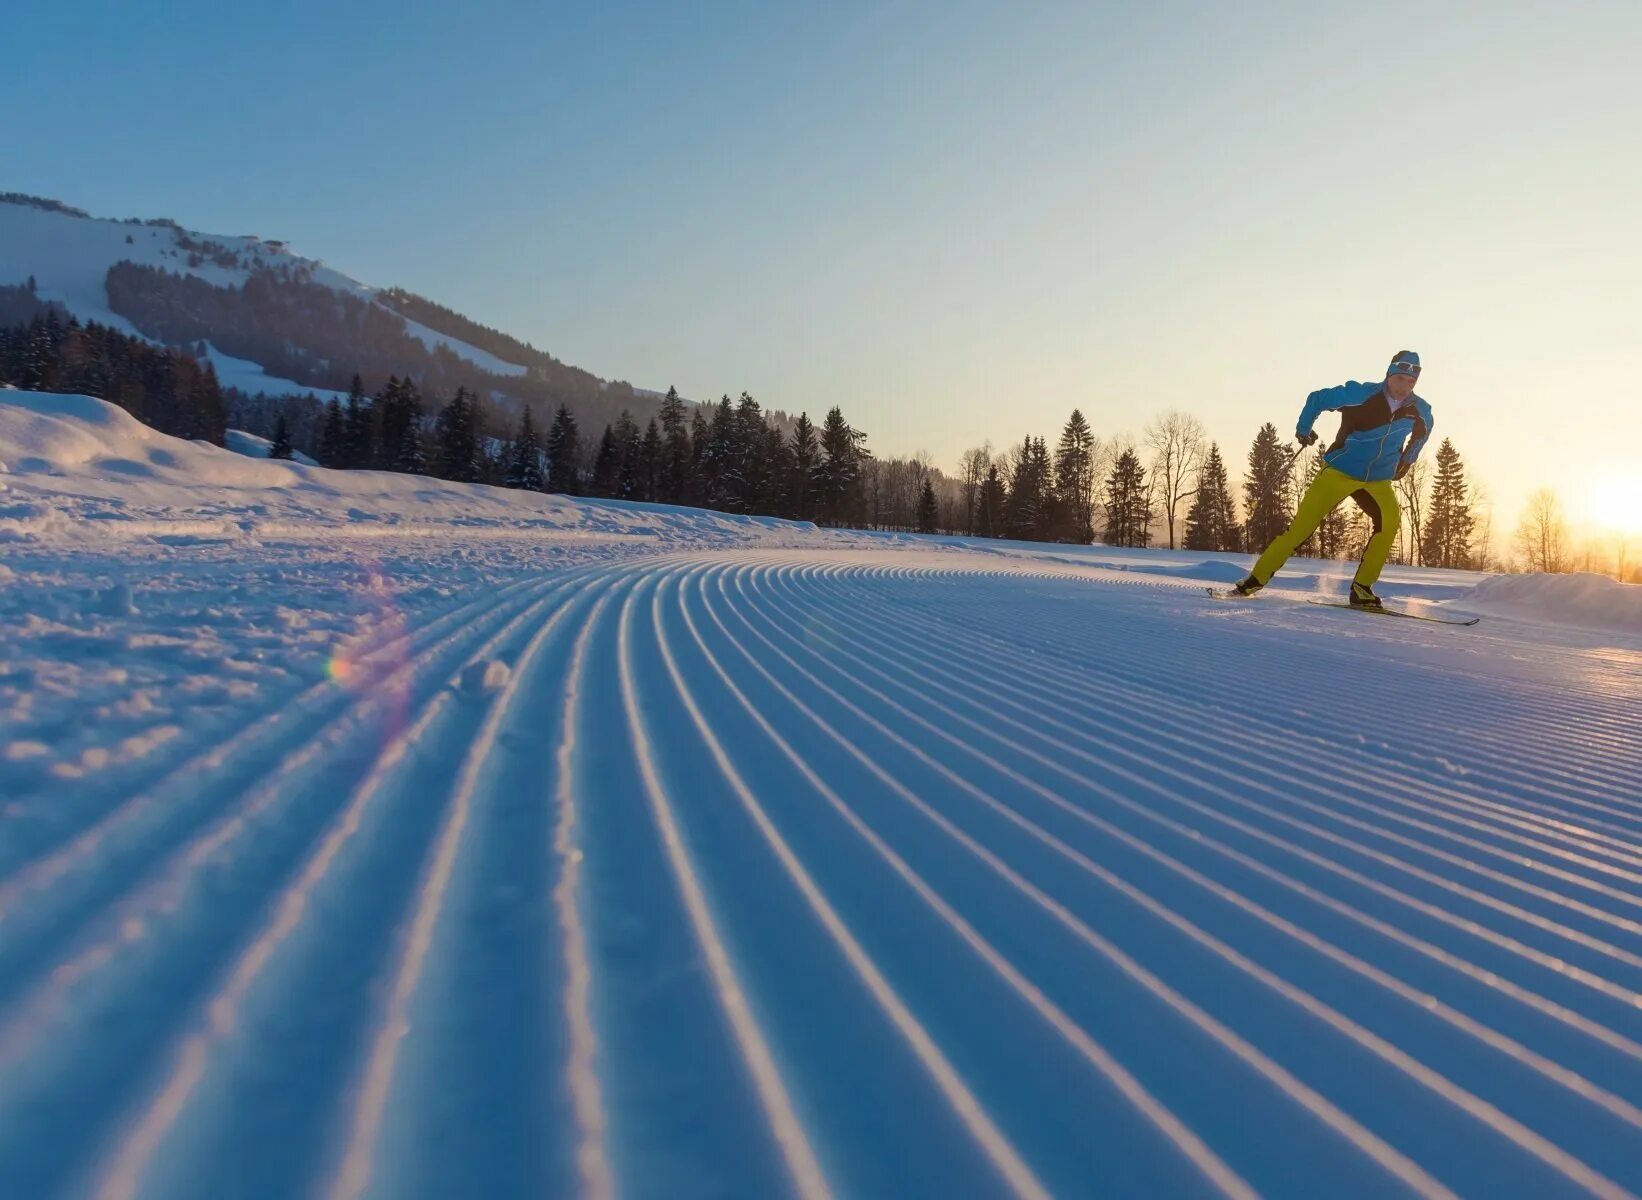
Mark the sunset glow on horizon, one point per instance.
(1613, 503)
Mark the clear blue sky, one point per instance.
(956, 220)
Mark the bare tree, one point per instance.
(1542, 534)
(1177, 441)
(1009, 461)
(1482, 508)
(1411, 498)
(972, 469)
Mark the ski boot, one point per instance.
(1362, 596)
(1247, 587)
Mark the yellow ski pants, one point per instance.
(1327, 490)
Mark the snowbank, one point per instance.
(77, 469)
(1584, 599)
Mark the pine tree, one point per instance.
(1074, 481)
(1450, 525)
(805, 452)
(282, 447)
(333, 438)
(1050, 519)
(410, 457)
(1025, 499)
(564, 454)
(926, 509)
(1030, 511)
(628, 448)
(777, 459)
(524, 465)
(1211, 523)
(358, 449)
(1128, 507)
(695, 477)
(717, 464)
(751, 472)
(40, 359)
(652, 456)
(457, 451)
(413, 453)
(838, 476)
(1268, 493)
(606, 466)
(989, 515)
(675, 459)
(392, 409)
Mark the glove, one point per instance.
(1306, 439)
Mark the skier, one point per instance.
(1383, 427)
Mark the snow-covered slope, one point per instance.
(484, 844)
(78, 469)
(69, 256)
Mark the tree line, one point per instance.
(730, 456)
(1174, 487)
(164, 388)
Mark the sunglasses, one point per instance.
(1413, 368)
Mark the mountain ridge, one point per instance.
(181, 280)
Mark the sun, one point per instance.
(1615, 502)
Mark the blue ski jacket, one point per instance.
(1373, 442)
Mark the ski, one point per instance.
(1396, 612)
(1228, 594)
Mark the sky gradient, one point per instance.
(956, 220)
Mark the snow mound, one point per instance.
(1213, 570)
(483, 678)
(1583, 599)
(48, 434)
(252, 446)
(83, 470)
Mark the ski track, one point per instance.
(852, 873)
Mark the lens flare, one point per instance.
(368, 662)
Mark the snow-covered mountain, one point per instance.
(68, 255)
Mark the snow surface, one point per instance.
(69, 258)
(483, 359)
(1584, 598)
(250, 378)
(364, 834)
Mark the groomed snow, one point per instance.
(362, 834)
